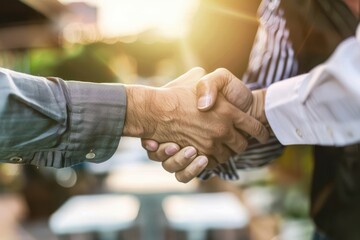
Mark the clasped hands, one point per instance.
(196, 121)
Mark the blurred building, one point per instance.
(29, 23)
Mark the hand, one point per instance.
(207, 90)
(235, 92)
(185, 163)
(169, 114)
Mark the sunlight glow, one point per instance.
(128, 17)
(117, 18)
(233, 13)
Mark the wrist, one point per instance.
(257, 109)
(139, 120)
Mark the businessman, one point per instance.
(298, 111)
(50, 122)
(292, 38)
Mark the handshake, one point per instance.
(196, 121)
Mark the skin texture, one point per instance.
(175, 159)
(213, 87)
(170, 114)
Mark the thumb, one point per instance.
(149, 144)
(206, 92)
(223, 81)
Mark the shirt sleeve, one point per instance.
(321, 107)
(51, 122)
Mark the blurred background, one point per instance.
(146, 42)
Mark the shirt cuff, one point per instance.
(286, 114)
(320, 107)
(97, 116)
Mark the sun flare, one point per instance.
(130, 17)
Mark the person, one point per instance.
(57, 123)
(297, 111)
(292, 38)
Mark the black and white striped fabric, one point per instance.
(272, 59)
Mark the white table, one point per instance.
(197, 213)
(145, 178)
(105, 214)
(151, 184)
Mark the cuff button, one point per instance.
(299, 133)
(90, 155)
(16, 159)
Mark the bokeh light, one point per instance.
(130, 17)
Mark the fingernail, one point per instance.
(150, 147)
(190, 152)
(204, 101)
(202, 161)
(171, 150)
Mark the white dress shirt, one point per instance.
(322, 107)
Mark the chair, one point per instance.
(106, 215)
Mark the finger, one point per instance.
(207, 92)
(210, 85)
(236, 141)
(164, 151)
(251, 126)
(223, 81)
(192, 170)
(180, 160)
(149, 144)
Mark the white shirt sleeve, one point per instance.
(322, 107)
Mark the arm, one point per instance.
(320, 107)
(317, 108)
(50, 122)
(172, 109)
(233, 90)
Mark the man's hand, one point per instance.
(184, 163)
(169, 114)
(224, 82)
(208, 89)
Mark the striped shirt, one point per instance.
(272, 59)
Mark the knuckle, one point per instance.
(222, 71)
(167, 167)
(258, 129)
(181, 178)
(199, 70)
(208, 144)
(242, 146)
(203, 82)
(192, 172)
(178, 162)
(241, 118)
(223, 131)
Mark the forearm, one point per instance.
(49, 122)
(321, 107)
